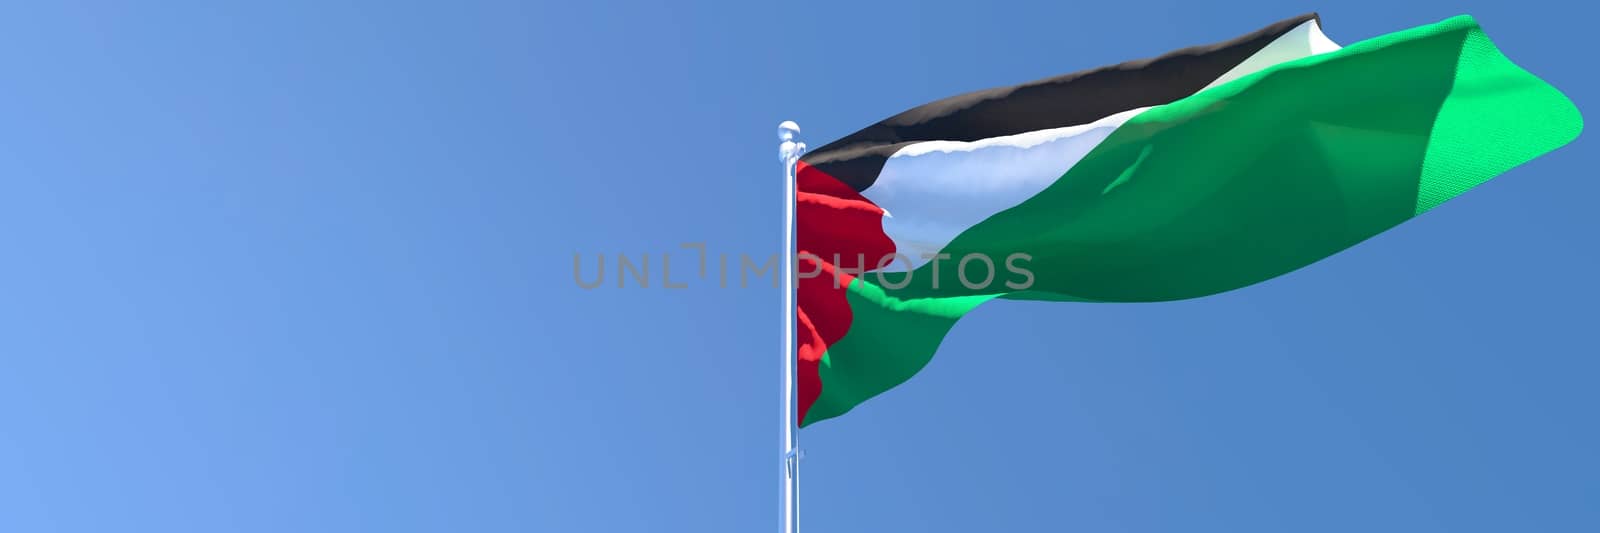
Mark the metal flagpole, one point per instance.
(789, 152)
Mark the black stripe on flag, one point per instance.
(1066, 100)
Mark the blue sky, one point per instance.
(306, 266)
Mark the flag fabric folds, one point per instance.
(1197, 172)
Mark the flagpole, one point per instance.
(789, 151)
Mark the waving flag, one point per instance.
(1197, 172)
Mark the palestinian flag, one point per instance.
(1200, 171)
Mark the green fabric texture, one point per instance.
(1477, 135)
(1235, 185)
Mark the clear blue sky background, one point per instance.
(307, 266)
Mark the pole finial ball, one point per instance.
(788, 130)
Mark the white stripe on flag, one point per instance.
(936, 190)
